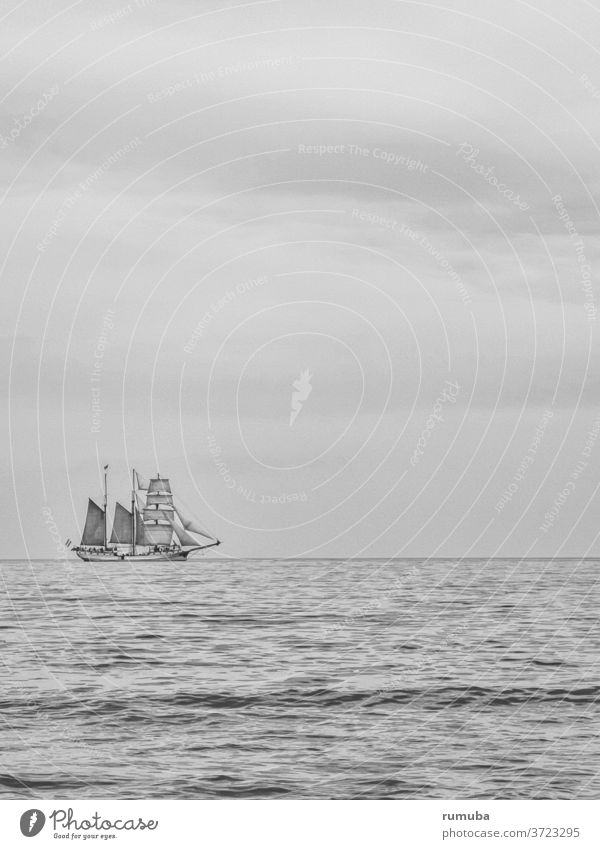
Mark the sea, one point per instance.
(300, 679)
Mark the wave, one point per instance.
(427, 698)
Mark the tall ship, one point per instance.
(155, 528)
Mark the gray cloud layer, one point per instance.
(368, 166)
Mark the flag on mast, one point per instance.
(142, 483)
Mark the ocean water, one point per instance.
(300, 679)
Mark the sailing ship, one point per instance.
(156, 528)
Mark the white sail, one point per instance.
(157, 515)
(123, 526)
(191, 524)
(159, 485)
(93, 532)
(184, 538)
(158, 534)
(159, 498)
(140, 529)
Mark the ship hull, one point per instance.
(161, 557)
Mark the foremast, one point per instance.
(133, 509)
(105, 506)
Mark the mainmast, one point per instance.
(105, 505)
(133, 511)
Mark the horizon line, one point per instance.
(340, 559)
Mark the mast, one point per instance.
(105, 505)
(133, 505)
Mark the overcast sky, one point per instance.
(201, 201)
